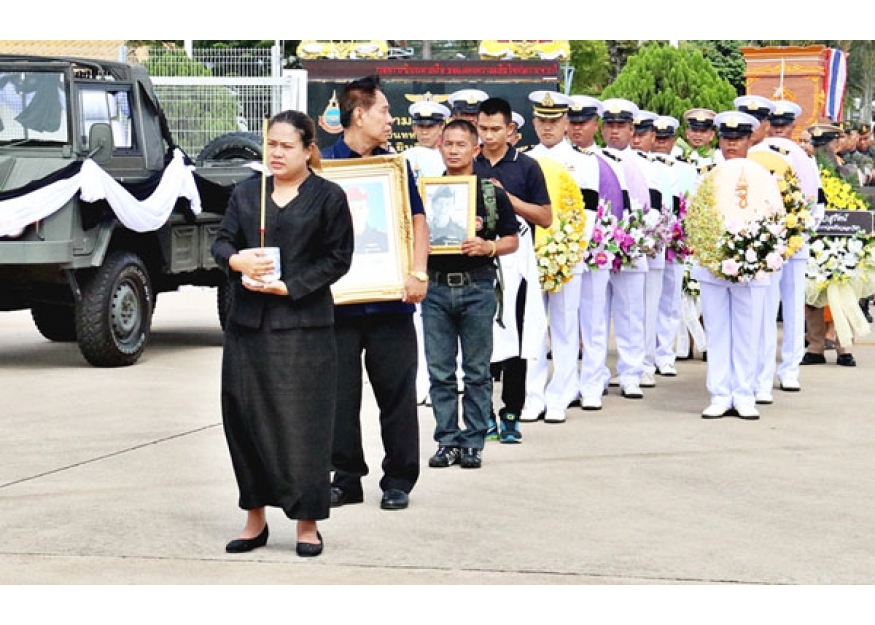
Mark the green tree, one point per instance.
(619, 51)
(195, 114)
(592, 66)
(669, 81)
(726, 58)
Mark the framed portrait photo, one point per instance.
(376, 189)
(451, 211)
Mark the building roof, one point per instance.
(106, 50)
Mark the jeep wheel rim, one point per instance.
(126, 312)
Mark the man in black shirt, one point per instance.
(521, 178)
(460, 309)
(380, 333)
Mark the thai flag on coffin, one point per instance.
(835, 80)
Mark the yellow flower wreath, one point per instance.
(560, 247)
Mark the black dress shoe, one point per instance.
(394, 499)
(341, 497)
(846, 360)
(813, 359)
(242, 545)
(310, 550)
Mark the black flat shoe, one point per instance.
(310, 550)
(846, 360)
(810, 358)
(242, 545)
(341, 497)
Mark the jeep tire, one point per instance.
(234, 146)
(114, 316)
(56, 322)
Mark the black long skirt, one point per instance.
(278, 401)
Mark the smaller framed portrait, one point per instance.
(451, 211)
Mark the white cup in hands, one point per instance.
(274, 254)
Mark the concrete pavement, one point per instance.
(121, 476)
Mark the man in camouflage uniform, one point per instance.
(863, 157)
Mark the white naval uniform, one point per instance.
(793, 296)
(788, 285)
(733, 315)
(658, 178)
(426, 162)
(668, 322)
(593, 321)
(623, 302)
(562, 307)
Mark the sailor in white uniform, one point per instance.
(762, 108)
(733, 312)
(684, 181)
(583, 122)
(428, 119)
(660, 182)
(550, 120)
(627, 286)
(465, 103)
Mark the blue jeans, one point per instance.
(452, 316)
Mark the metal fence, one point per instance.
(216, 91)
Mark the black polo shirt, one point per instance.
(519, 174)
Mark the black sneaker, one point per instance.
(445, 457)
(471, 458)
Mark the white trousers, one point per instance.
(623, 305)
(768, 344)
(653, 280)
(733, 317)
(594, 375)
(793, 314)
(669, 320)
(538, 370)
(559, 389)
(576, 315)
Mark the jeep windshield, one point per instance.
(33, 108)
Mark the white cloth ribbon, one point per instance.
(95, 184)
(846, 314)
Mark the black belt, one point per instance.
(461, 278)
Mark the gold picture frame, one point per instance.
(376, 188)
(451, 211)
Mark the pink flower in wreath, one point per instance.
(730, 267)
(597, 235)
(601, 258)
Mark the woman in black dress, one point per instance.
(279, 362)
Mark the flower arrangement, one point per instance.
(798, 220)
(560, 247)
(737, 251)
(839, 194)
(689, 285)
(616, 243)
(677, 249)
(848, 260)
(656, 232)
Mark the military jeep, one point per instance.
(84, 274)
